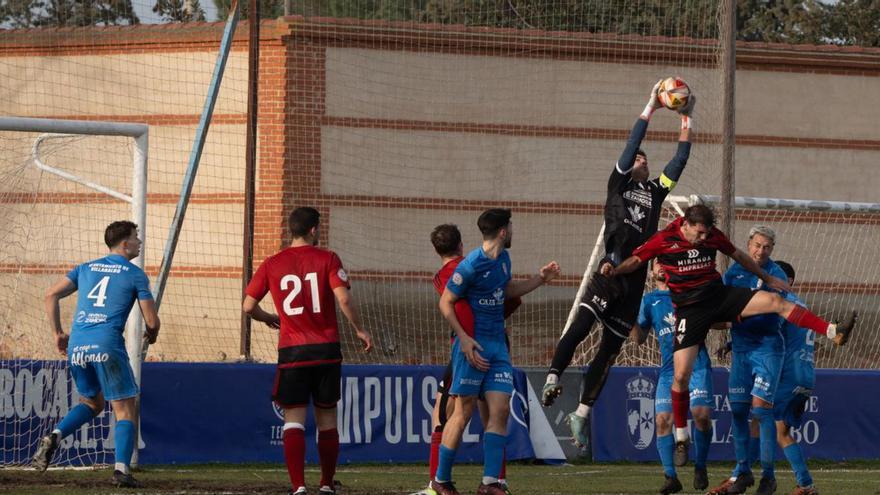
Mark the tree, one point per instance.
(854, 22)
(179, 10)
(269, 9)
(67, 13)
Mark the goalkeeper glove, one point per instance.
(653, 101)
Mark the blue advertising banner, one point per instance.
(840, 421)
(202, 412)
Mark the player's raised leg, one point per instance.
(770, 302)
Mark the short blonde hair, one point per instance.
(764, 231)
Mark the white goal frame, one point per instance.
(56, 128)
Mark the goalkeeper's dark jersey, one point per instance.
(632, 209)
(632, 212)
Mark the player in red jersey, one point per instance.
(686, 251)
(446, 239)
(306, 282)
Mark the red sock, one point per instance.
(503, 474)
(805, 318)
(434, 459)
(295, 455)
(680, 405)
(328, 453)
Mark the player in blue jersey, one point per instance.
(108, 288)
(795, 386)
(657, 312)
(758, 350)
(481, 364)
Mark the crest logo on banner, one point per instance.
(640, 410)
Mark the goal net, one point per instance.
(57, 192)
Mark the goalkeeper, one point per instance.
(632, 212)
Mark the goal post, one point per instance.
(47, 153)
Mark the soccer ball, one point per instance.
(674, 93)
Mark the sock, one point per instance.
(702, 439)
(503, 473)
(768, 440)
(295, 453)
(795, 456)
(435, 453)
(124, 434)
(754, 450)
(680, 405)
(803, 317)
(493, 455)
(582, 411)
(444, 466)
(328, 453)
(666, 448)
(741, 434)
(78, 416)
(552, 378)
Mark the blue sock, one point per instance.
(78, 416)
(740, 430)
(754, 450)
(795, 456)
(444, 465)
(666, 448)
(768, 440)
(493, 453)
(701, 447)
(124, 438)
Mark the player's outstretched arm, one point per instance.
(520, 288)
(251, 306)
(749, 264)
(673, 170)
(151, 318)
(62, 288)
(628, 157)
(349, 308)
(468, 345)
(629, 265)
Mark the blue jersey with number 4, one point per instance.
(108, 288)
(800, 344)
(483, 282)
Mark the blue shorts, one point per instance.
(468, 381)
(791, 402)
(700, 387)
(754, 373)
(98, 367)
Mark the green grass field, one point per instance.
(862, 478)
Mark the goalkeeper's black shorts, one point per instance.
(615, 300)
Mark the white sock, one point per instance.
(582, 411)
(488, 480)
(122, 468)
(552, 379)
(832, 331)
(298, 426)
(682, 434)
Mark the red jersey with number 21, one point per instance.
(690, 270)
(301, 280)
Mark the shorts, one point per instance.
(469, 381)
(98, 367)
(700, 386)
(754, 373)
(616, 301)
(791, 403)
(296, 386)
(692, 321)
